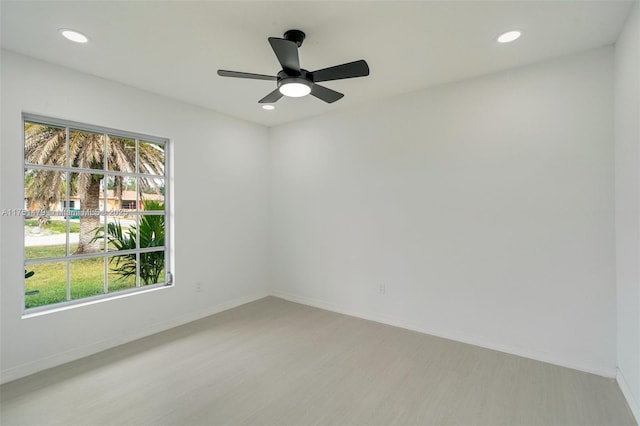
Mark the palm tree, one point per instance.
(150, 233)
(46, 145)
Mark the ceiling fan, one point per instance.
(296, 82)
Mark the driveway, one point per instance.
(31, 240)
(49, 240)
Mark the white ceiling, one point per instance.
(174, 48)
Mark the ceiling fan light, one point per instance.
(295, 90)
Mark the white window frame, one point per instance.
(105, 254)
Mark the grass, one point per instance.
(55, 226)
(41, 252)
(50, 279)
(44, 252)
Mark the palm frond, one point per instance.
(150, 233)
(121, 154)
(151, 158)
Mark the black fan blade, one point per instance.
(287, 53)
(325, 94)
(271, 97)
(238, 74)
(350, 70)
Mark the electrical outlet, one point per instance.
(382, 289)
(199, 287)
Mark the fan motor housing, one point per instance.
(296, 36)
(303, 74)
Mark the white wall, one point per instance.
(484, 206)
(627, 187)
(220, 200)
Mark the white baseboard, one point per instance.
(447, 334)
(632, 400)
(32, 367)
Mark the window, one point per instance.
(96, 213)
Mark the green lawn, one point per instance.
(41, 252)
(49, 280)
(55, 226)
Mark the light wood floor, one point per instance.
(276, 362)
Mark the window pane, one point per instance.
(121, 233)
(44, 237)
(151, 268)
(86, 277)
(152, 193)
(44, 190)
(121, 154)
(88, 197)
(47, 284)
(45, 144)
(151, 231)
(121, 194)
(86, 149)
(122, 272)
(45, 226)
(151, 158)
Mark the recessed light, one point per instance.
(509, 36)
(74, 36)
(268, 107)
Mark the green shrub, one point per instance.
(151, 233)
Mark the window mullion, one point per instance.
(67, 193)
(67, 209)
(103, 213)
(138, 207)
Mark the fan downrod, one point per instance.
(296, 36)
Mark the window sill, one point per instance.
(65, 306)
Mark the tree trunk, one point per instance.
(89, 203)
